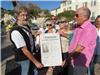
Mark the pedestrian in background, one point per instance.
(53, 20)
(49, 29)
(97, 49)
(64, 31)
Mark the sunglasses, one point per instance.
(77, 15)
(53, 19)
(49, 24)
(63, 22)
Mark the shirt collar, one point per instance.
(85, 24)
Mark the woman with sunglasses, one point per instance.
(64, 32)
(49, 29)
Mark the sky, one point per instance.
(46, 4)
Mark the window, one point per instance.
(69, 8)
(93, 16)
(92, 13)
(65, 4)
(93, 2)
(76, 6)
(70, 2)
(85, 4)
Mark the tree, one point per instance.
(33, 9)
(11, 12)
(68, 14)
(46, 12)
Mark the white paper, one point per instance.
(50, 49)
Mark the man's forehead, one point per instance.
(24, 12)
(53, 17)
(82, 10)
(79, 11)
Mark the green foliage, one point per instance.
(48, 15)
(68, 14)
(46, 12)
(33, 9)
(11, 12)
(2, 12)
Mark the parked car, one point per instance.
(34, 26)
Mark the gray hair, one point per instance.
(85, 12)
(19, 9)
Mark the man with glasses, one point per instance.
(82, 44)
(97, 49)
(21, 37)
(54, 22)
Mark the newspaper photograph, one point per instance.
(50, 49)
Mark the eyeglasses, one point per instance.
(63, 22)
(23, 14)
(77, 15)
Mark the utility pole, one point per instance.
(14, 3)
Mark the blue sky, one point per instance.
(42, 4)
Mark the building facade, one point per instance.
(93, 5)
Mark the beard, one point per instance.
(24, 22)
